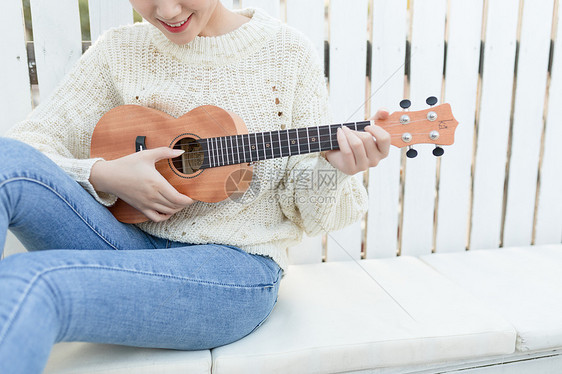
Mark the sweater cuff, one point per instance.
(103, 198)
(329, 179)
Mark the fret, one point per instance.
(335, 136)
(304, 147)
(349, 125)
(209, 153)
(241, 148)
(218, 151)
(217, 154)
(238, 150)
(284, 144)
(263, 145)
(288, 142)
(361, 125)
(255, 147)
(308, 139)
(248, 149)
(226, 151)
(298, 141)
(217, 159)
(275, 144)
(222, 150)
(323, 138)
(234, 153)
(229, 150)
(314, 137)
(232, 150)
(294, 142)
(271, 146)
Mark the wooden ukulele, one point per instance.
(219, 152)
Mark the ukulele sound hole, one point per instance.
(192, 159)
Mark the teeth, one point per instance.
(175, 24)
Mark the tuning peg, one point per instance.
(411, 152)
(438, 151)
(432, 100)
(405, 104)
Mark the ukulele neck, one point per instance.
(249, 148)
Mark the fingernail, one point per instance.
(179, 151)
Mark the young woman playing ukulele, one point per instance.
(196, 275)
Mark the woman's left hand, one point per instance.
(360, 150)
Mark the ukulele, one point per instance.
(219, 151)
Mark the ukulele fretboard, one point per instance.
(248, 148)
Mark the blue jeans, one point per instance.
(104, 281)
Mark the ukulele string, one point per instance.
(229, 149)
(233, 150)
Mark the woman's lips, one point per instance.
(178, 28)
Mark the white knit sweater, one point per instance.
(264, 71)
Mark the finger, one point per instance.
(171, 197)
(162, 153)
(344, 146)
(163, 209)
(381, 114)
(374, 155)
(382, 138)
(155, 216)
(358, 149)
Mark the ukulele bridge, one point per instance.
(140, 143)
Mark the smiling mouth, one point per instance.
(176, 24)
(176, 27)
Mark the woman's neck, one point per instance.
(223, 21)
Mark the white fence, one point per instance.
(498, 62)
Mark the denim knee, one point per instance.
(28, 297)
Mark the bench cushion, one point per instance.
(523, 284)
(334, 317)
(82, 358)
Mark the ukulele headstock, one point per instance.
(435, 125)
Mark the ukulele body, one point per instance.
(117, 132)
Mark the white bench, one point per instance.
(373, 297)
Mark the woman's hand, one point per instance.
(360, 150)
(135, 180)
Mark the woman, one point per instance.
(196, 275)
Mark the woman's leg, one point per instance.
(194, 297)
(46, 209)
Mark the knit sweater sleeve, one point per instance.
(62, 125)
(314, 194)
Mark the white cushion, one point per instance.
(333, 318)
(522, 284)
(81, 358)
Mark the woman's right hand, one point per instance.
(135, 180)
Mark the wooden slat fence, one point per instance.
(498, 62)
